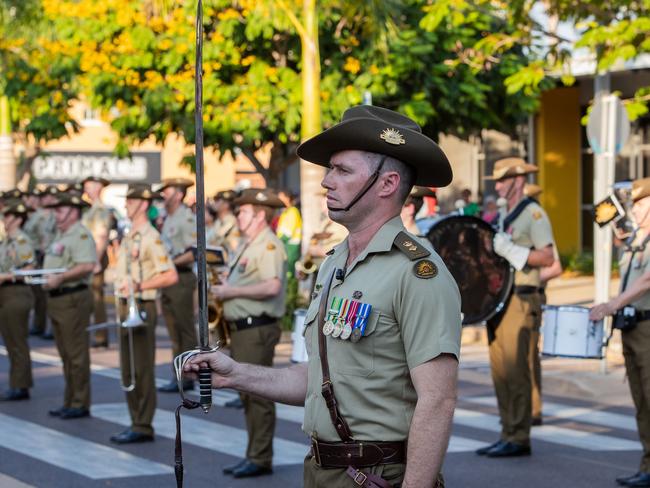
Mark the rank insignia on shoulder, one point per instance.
(270, 246)
(330, 252)
(83, 237)
(425, 269)
(410, 247)
(537, 215)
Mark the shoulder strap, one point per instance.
(327, 388)
(629, 266)
(409, 246)
(516, 212)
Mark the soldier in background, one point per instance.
(70, 301)
(97, 219)
(225, 227)
(41, 227)
(16, 300)
(151, 269)
(254, 301)
(545, 275)
(179, 234)
(412, 206)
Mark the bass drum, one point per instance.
(484, 278)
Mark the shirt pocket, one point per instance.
(355, 358)
(311, 316)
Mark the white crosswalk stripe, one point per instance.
(204, 433)
(89, 459)
(549, 433)
(570, 412)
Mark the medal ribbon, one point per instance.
(345, 306)
(352, 313)
(362, 317)
(335, 308)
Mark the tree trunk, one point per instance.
(310, 174)
(7, 160)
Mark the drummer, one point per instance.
(412, 206)
(526, 241)
(635, 290)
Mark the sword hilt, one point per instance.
(205, 389)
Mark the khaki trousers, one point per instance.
(511, 368)
(70, 316)
(99, 307)
(15, 303)
(142, 399)
(536, 367)
(257, 346)
(636, 351)
(40, 309)
(178, 309)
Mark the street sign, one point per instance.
(600, 123)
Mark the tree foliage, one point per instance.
(611, 32)
(137, 64)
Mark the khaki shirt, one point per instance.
(224, 232)
(260, 260)
(179, 231)
(531, 229)
(41, 228)
(640, 265)
(97, 219)
(72, 247)
(148, 257)
(15, 252)
(413, 320)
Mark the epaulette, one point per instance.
(409, 246)
(330, 252)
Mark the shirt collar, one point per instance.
(382, 241)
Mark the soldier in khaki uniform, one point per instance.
(225, 230)
(143, 252)
(70, 301)
(98, 219)
(179, 234)
(41, 229)
(383, 331)
(635, 263)
(545, 275)
(16, 300)
(412, 206)
(527, 243)
(254, 301)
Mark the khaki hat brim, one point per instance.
(513, 173)
(425, 156)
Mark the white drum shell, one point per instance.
(299, 351)
(568, 332)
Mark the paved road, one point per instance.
(585, 442)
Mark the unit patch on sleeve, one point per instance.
(425, 269)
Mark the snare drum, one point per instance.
(568, 332)
(299, 351)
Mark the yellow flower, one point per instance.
(352, 65)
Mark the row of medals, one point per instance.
(341, 329)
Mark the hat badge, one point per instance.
(261, 197)
(392, 136)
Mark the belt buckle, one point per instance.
(360, 478)
(314, 451)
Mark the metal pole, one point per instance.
(604, 169)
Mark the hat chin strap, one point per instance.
(371, 181)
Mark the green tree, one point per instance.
(611, 32)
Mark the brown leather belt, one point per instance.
(360, 454)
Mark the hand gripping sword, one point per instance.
(205, 375)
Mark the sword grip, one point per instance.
(205, 388)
